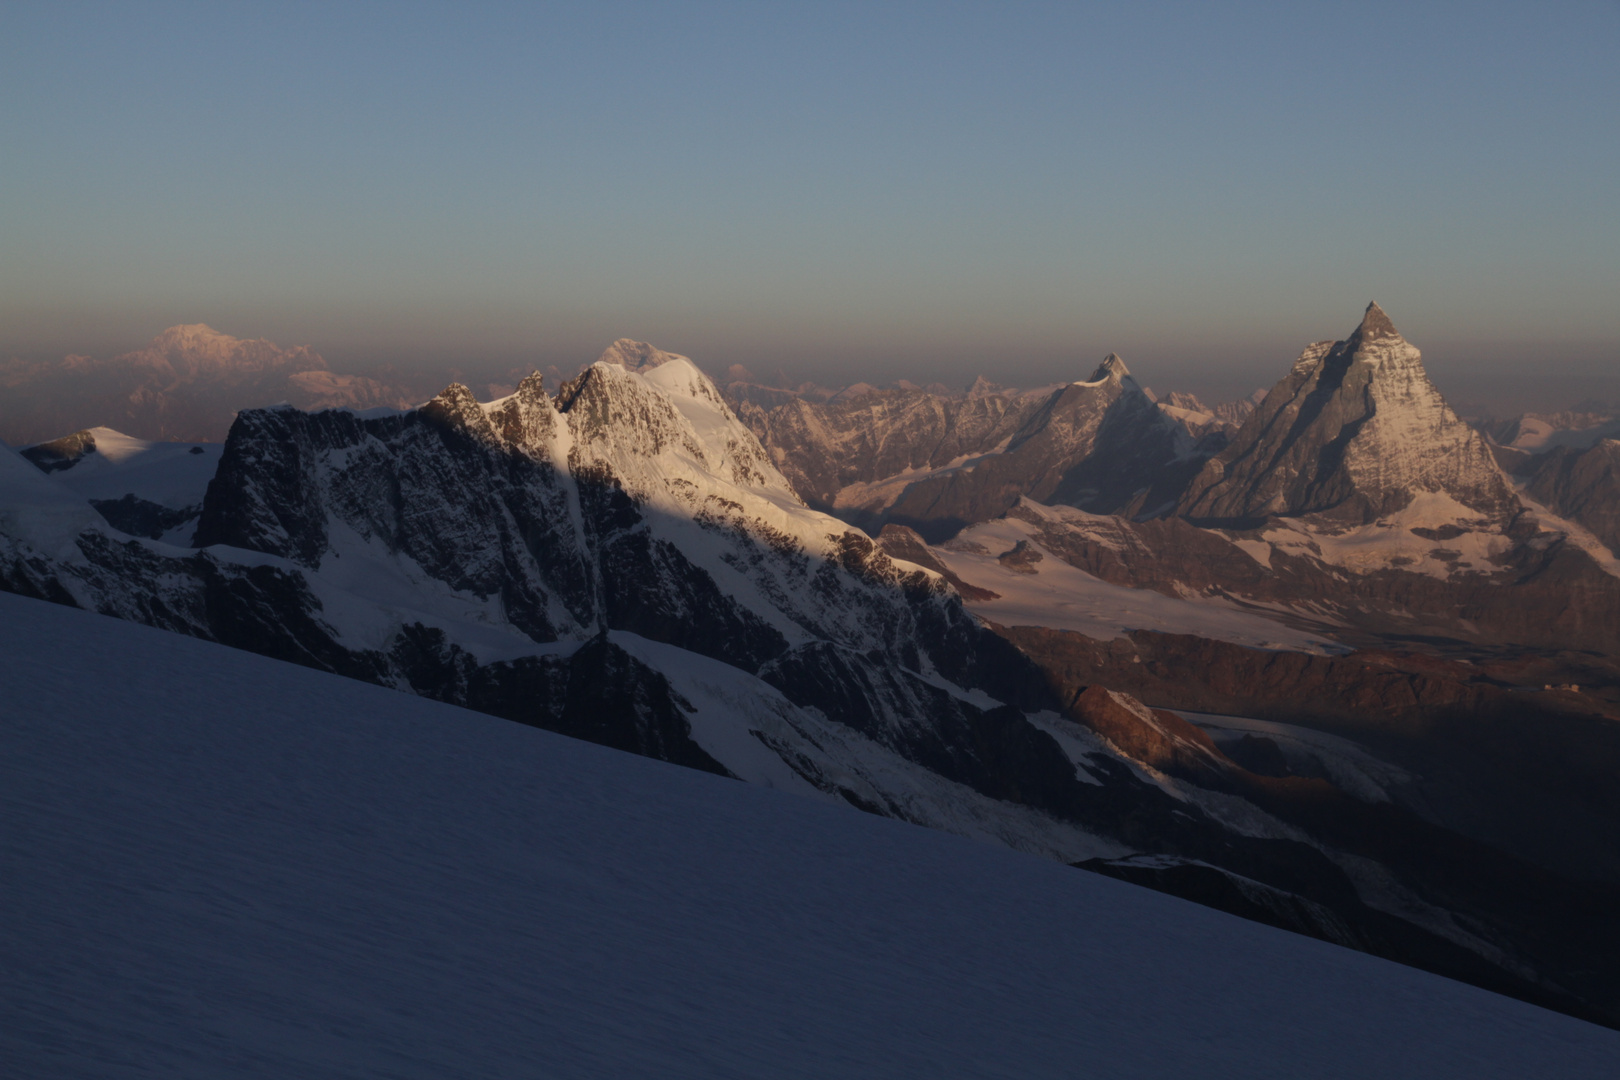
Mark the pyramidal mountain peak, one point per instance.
(1111, 369)
(1355, 431)
(1376, 326)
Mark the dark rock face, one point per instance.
(1583, 486)
(1152, 736)
(1452, 725)
(142, 517)
(1355, 431)
(61, 453)
(908, 545)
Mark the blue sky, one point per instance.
(837, 190)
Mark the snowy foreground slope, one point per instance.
(216, 864)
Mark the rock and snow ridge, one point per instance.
(624, 563)
(1352, 500)
(151, 489)
(542, 559)
(1354, 432)
(371, 884)
(935, 461)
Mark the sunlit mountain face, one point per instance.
(1266, 656)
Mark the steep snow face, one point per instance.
(1355, 431)
(37, 512)
(665, 429)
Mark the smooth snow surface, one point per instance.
(167, 473)
(1537, 434)
(1063, 597)
(32, 508)
(1390, 543)
(217, 865)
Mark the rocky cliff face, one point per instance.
(1354, 432)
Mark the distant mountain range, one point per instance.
(187, 384)
(1315, 659)
(936, 461)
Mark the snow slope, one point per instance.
(1049, 592)
(219, 865)
(174, 475)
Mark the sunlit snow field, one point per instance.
(213, 864)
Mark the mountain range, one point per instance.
(1294, 658)
(186, 384)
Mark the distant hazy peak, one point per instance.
(194, 349)
(1112, 369)
(1179, 400)
(195, 337)
(636, 355)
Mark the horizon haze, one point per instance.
(834, 194)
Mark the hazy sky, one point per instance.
(875, 190)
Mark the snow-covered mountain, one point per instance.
(186, 384)
(1354, 432)
(218, 865)
(152, 489)
(1536, 433)
(1566, 464)
(623, 562)
(935, 462)
(1352, 503)
(1582, 486)
(855, 449)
